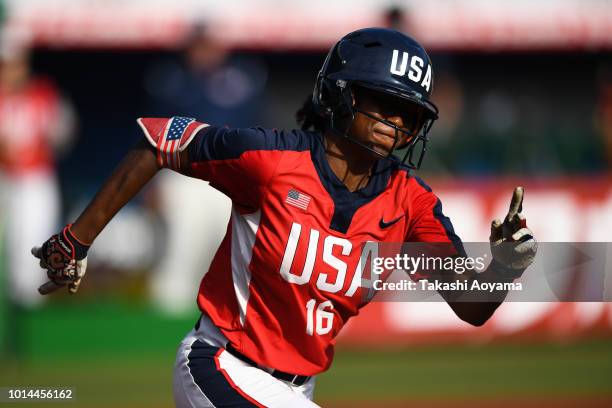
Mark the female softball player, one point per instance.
(289, 272)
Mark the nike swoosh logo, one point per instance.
(385, 224)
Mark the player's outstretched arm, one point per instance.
(64, 255)
(134, 171)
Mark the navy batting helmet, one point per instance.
(385, 61)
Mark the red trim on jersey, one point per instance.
(233, 385)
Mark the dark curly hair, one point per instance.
(307, 117)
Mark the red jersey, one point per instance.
(288, 276)
(27, 121)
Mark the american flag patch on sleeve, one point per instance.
(170, 137)
(297, 199)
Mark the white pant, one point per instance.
(32, 204)
(196, 215)
(206, 375)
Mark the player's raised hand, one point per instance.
(65, 259)
(512, 243)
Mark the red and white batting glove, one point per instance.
(512, 244)
(65, 259)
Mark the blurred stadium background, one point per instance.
(525, 93)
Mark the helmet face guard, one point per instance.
(369, 59)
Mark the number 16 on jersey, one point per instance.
(317, 314)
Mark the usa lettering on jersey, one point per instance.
(330, 242)
(415, 73)
(350, 273)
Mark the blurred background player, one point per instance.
(36, 124)
(208, 81)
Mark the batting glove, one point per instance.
(65, 259)
(512, 244)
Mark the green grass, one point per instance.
(112, 353)
(109, 327)
(99, 380)
(450, 372)
(3, 282)
(121, 355)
